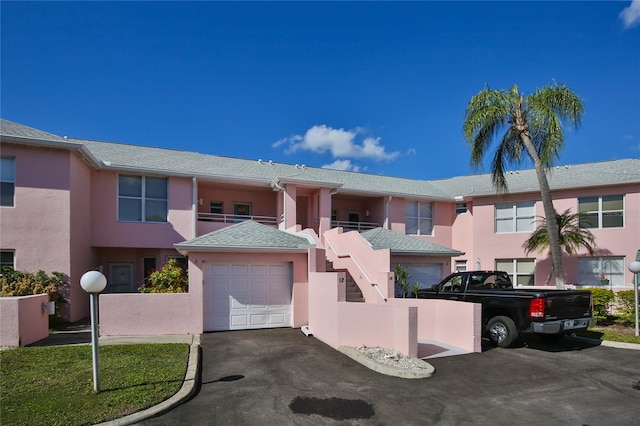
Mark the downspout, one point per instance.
(194, 205)
(386, 212)
(276, 186)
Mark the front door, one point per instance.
(121, 277)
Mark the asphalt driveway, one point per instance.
(281, 377)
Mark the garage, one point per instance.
(426, 275)
(247, 296)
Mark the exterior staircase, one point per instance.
(353, 291)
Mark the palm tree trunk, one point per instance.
(549, 211)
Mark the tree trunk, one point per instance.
(549, 212)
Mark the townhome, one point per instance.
(254, 233)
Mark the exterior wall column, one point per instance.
(289, 207)
(324, 211)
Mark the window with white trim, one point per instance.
(605, 211)
(216, 207)
(521, 271)
(418, 218)
(515, 217)
(7, 181)
(596, 271)
(7, 259)
(461, 208)
(461, 265)
(142, 199)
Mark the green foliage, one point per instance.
(170, 279)
(602, 302)
(18, 283)
(624, 303)
(415, 288)
(54, 386)
(402, 274)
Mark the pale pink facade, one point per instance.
(66, 217)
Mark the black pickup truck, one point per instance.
(508, 312)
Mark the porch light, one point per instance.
(93, 282)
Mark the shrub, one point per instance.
(624, 304)
(602, 300)
(170, 279)
(18, 283)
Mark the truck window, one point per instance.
(453, 285)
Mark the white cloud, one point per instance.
(342, 165)
(339, 142)
(631, 15)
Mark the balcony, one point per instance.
(236, 218)
(353, 226)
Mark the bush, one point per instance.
(170, 279)
(624, 304)
(602, 301)
(18, 283)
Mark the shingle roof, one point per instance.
(142, 159)
(381, 238)
(247, 235)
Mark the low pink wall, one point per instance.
(455, 323)
(23, 320)
(338, 323)
(138, 314)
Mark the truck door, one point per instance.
(452, 288)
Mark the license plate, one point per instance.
(569, 324)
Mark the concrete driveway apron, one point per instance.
(282, 377)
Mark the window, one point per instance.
(142, 199)
(515, 217)
(521, 271)
(242, 209)
(149, 264)
(601, 212)
(334, 215)
(216, 207)
(418, 218)
(353, 217)
(461, 208)
(595, 271)
(6, 259)
(7, 181)
(461, 265)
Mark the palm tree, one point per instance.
(532, 124)
(572, 237)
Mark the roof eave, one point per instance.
(186, 249)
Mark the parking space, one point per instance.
(280, 376)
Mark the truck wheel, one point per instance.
(502, 331)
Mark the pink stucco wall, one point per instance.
(38, 226)
(107, 231)
(23, 320)
(338, 323)
(263, 200)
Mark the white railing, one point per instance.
(353, 226)
(355, 262)
(235, 218)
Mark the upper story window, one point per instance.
(601, 212)
(515, 217)
(7, 181)
(142, 199)
(216, 207)
(461, 208)
(418, 218)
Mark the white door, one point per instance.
(244, 296)
(426, 275)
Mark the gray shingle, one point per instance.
(381, 238)
(245, 235)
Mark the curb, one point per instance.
(608, 343)
(187, 391)
(389, 370)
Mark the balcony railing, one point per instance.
(353, 226)
(236, 218)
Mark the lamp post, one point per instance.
(634, 267)
(93, 282)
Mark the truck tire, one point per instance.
(502, 331)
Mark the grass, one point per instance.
(615, 334)
(54, 385)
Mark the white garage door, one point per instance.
(243, 296)
(426, 275)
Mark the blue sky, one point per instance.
(373, 87)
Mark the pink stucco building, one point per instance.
(267, 243)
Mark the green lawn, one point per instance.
(605, 333)
(54, 385)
